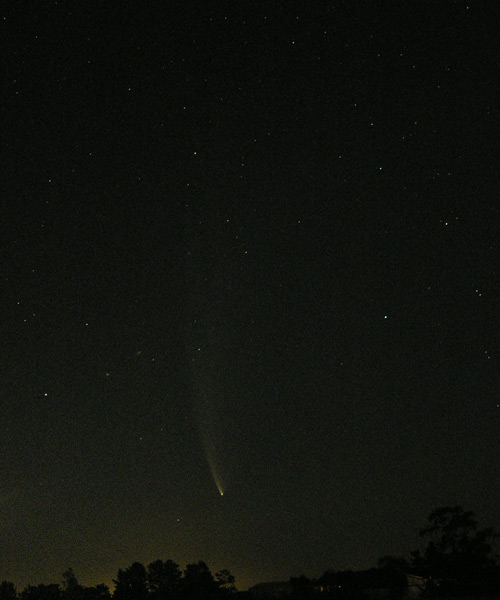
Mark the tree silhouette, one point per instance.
(225, 582)
(7, 591)
(52, 591)
(457, 553)
(302, 588)
(393, 571)
(69, 580)
(131, 584)
(71, 589)
(199, 583)
(98, 592)
(164, 580)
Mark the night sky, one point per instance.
(250, 282)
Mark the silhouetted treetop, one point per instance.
(52, 591)
(458, 553)
(131, 583)
(164, 579)
(7, 591)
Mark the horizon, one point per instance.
(250, 283)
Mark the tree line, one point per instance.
(160, 580)
(458, 560)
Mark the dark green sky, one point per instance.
(264, 234)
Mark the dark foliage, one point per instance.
(7, 591)
(459, 558)
(458, 561)
(162, 580)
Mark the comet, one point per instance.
(208, 434)
(205, 332)
(210, 454)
